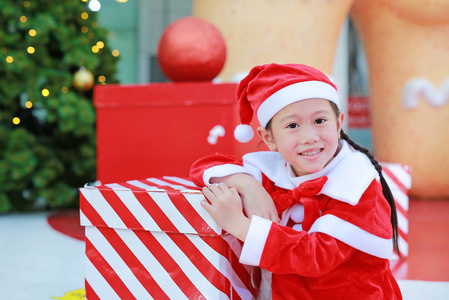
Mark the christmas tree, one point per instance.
(52, 53)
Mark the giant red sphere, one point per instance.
(191, 49)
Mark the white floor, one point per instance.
(39, 263)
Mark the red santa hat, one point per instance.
(269, 88)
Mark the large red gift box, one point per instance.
(152, 239)
(152, 130)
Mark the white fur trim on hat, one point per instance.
(243, 133)
(294, 93)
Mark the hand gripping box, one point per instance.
(151, 239)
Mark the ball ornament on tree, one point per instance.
(191, 49)
(83, 79)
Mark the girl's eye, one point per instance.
(320, 121)
(292, 125)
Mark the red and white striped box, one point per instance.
(151, 239)
(399, 180)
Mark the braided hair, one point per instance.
(385, 188)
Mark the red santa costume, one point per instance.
(335, 234)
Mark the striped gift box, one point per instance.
(399, 180)
(151, 239)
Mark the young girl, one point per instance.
(324, 223)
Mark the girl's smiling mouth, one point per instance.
(311, 152)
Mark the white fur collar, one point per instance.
(349, 173)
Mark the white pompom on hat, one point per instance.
(269, 88)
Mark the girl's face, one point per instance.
(305, 133)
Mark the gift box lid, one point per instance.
(166, 204)
(164, 94)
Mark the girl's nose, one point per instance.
(309, 135)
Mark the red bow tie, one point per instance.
(302, 194)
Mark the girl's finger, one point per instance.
(223, 187)
(234, 191)
(204, 204)
(209, 189)
(208, 194)
(214, 189)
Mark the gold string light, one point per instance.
(31, 50)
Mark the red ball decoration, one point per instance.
(191, 49)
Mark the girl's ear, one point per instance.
(340, 119)
(267, 138)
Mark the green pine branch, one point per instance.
(47, 142)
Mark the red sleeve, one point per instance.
(290, 251)
(198, 167)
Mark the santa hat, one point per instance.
(269, 88)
